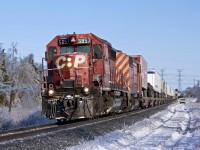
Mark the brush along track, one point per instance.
(17, 134)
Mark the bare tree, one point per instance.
(192, 91)
(29, 77)
(23, 76)
(12, 65)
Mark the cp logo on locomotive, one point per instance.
(79, 59)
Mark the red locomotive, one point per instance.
(87, 77)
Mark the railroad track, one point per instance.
(30, 132)
(23, 132)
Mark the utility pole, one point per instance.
(162, 73)
(194, 82)
(198, 88)
(198, 83)
(179, 79)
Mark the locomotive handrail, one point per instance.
(63, 69)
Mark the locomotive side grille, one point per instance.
(68, 84)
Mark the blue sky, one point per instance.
(165, 32)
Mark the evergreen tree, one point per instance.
(3, 73)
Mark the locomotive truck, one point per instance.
(86, 77)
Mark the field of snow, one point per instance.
(177, 127)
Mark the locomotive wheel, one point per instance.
(59, 121)
(124, 103)
(141, 105)
(132, 103)
(135, 103)
(98, 103)
(107, 103)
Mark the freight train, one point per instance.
(86, 77)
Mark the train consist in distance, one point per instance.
(87, 77)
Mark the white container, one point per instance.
(154, 79)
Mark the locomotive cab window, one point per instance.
(112, 54)
(51, 51)
(106, 51)
(83, 49)
(130, 61)
(68, 49)
(97, 51)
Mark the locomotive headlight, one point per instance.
(69, 59)
(69, 64)
(86, 90)
(51, 92)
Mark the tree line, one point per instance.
(16, 71)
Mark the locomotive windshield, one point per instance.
(97, 51)
(68, 49)
(51, 51)
(83, 49)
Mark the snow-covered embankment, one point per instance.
(176, 127)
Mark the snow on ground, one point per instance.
(21, 117)
(177, 127)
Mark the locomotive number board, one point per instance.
(83, 40)
(64, 42)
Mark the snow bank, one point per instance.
(21, 117)
(177, 127)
